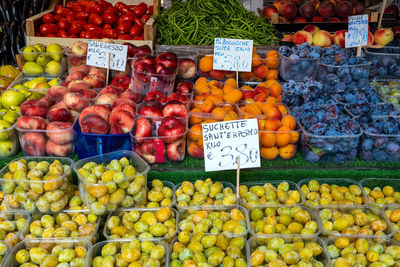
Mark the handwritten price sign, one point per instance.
(225, 141)
(232, 54)
(97, 55)
(357, 34)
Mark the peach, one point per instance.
(217, 74)
(76, 101)
(288, 38)
(82, 68)
(33, 144)
(97, 73)
(269, 10)
(94, 81)
(123, 118)
(116, 129)
(60, 104)
(57, 92)
(383, 36)
(121, 101)
(31, 123)
(58, 150)
(106, 99)
(311, 28)
(48, 100)
(125, 107)
(93, 124)
(322, 38)
(101, 110)
(111, 90)
(78, 85)
(261, 71)
(339, 38)
(60, 132)
(34, 107)
(59, 114)
(88, 93)
(370, 40)
(302, 37)
(195, 151)
(73, 76)
(134, 96)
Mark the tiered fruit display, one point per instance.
(36, 84)
(381, 195)
(11, 223)
(39, 60)
(96, 20)
(390, 91)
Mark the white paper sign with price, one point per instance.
(233, 54)
(357, 34)
(225, 141)
(97, 55)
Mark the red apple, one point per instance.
(184, 87)
(79, 48)
(269, 10)
(172, 129)
(168, 59)
(289, 10)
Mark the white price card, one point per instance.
(357, 34)
(97, 55)
(225, 141)
(233, 54)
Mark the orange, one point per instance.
(207, 106)
(218, 112)
(279, 99)
(275, 90)
(204, 90)
(231, 82)
(215, 83)
(272, 74)
(243, 109)
(200, 82)
(246, 87)
(294, 137)
(269, 152)
(233, 96)
(272, 59)
(216, 99)
(267, 139)
(253, 109)
(289, 121)
(206, 63)
(256, 61)
(272, 125)
(227, 88)
(287, 152)
(194, 150)
(283, 136)
(218, 92)
(249, 116)
(282, 109)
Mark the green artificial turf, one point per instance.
(294, 170)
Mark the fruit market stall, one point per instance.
(200, 135)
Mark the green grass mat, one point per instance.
(294, 170)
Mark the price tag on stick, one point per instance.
(233, 54)
(225, 141)
(98, 52)
(357, 34)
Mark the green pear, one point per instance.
(4, 135)
(11, 116)
(36, 95)
(6, 148)
(12, 98)
(32, 83)
(3, 110)
(43, 59)
(15, 109)
(32, 68)
(55, 51)
(42, 85)
(40, 47)
(20, 87)
(30, 53)
(26, 92)
(54, 82)
(53, 68)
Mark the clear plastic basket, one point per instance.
(9, 143)
(172, 198)
(13, 237)
(121, 212)
(89, 191)
(372, 183)
(297, 69)
(39, 190)
(385, 62)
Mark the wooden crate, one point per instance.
(32, 24)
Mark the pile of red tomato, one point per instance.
(95, 20)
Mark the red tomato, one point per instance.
(104, 4)
(145, 18)
(82, 34)
(127, 18)
(70, 19)
(51, 35)
(84, 3)
(93, 34)
(72, 36)
(81, 22)
(140, 37)
(151, 9)
(78, 8)
(109, 33)
(63, 25)
(82, 15)
(94, 7)
(48, 28)
(111, 10)
(136, 30)
(60, 10)
(62, 34)
(122, 7)
(140, 10)
(58, 18)
(107, 26)
(123, 28)
(90, 26)
(75, 28)
(138, 22)
(96, 19)
(48, 18)
(109, 18)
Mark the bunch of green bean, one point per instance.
(198, 22)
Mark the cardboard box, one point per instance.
(149, 28)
